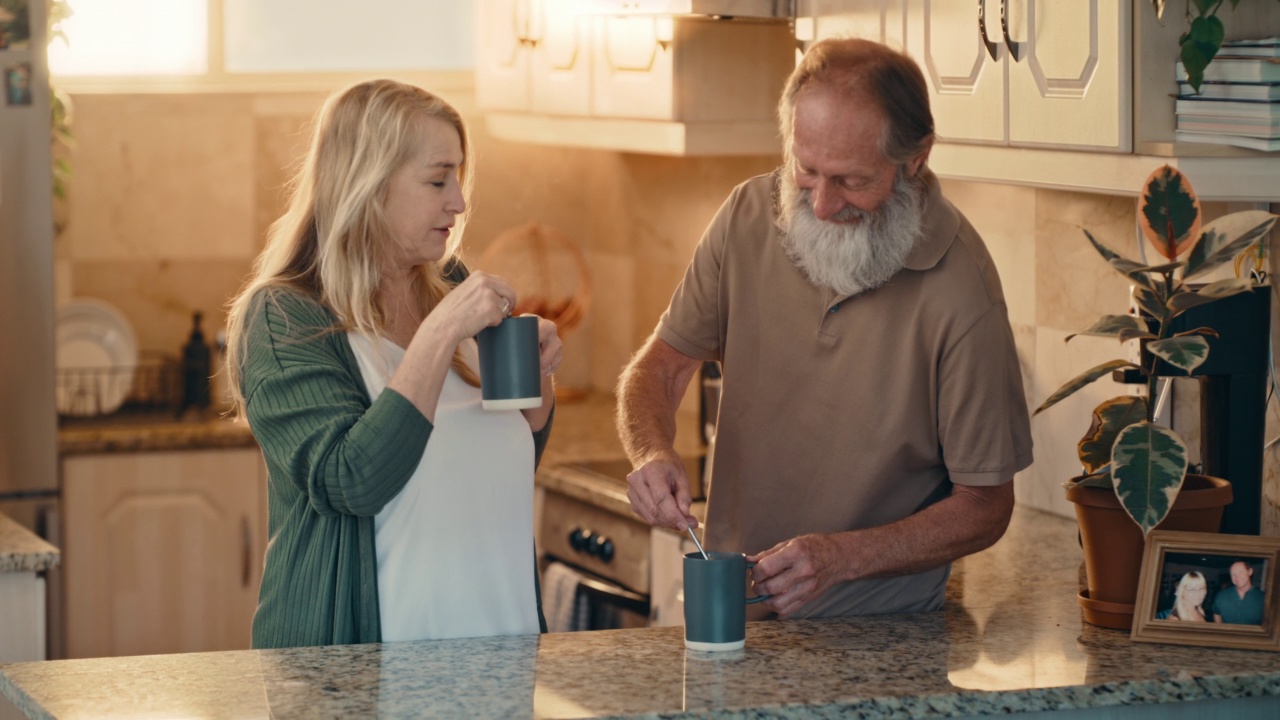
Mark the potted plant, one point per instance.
(1135, 471)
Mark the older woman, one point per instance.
(399, 509)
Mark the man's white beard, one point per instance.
(850, 258)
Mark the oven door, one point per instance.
(575, 599)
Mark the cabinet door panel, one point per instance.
(966, 87)
(502, 54)
(1073, 87)
(163, 551)
(560, 61)
(632, 68)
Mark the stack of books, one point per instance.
(1239, 100)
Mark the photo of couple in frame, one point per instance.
(1208, 589)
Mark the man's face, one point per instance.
(838, 159)
(1241, 575)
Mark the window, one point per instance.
(133, 37)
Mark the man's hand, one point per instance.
(797, 571)
(659, 493)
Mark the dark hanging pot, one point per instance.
(1113, 542)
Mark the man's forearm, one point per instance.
(969, 520)
(649, 391)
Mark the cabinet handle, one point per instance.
(246, 557)
(992, 48)
(1015, 48)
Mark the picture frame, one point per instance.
(1209, 589)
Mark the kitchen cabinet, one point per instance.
(163, 550)
(1067, 87)
(533, 57)
(1059, 76)
(677, 85)
(1086, 104)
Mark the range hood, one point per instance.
(761, 9)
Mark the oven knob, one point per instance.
(578, 539)
(601, 547)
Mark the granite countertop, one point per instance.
(1009, 639)
(149, 434)
(22, 550)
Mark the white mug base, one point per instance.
(512, 404)
(713, 646)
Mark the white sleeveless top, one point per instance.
(455, 546)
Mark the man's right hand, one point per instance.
(659, 494)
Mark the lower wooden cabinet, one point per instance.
(162, 551)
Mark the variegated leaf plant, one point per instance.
(1144, 463)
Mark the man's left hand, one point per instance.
(796, 571)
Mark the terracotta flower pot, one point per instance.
(1113, 542)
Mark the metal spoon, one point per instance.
(705, 556)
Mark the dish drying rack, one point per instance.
(154, 387)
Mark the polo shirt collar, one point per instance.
(941, 222)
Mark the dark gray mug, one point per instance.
(510, 377)
(715, 601)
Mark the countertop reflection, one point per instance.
(1009, 639)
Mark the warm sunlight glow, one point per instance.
(133, 37)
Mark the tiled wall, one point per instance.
(173, 194)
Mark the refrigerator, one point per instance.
(28, 418)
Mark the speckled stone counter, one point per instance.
(22, 551)
(1009, 640)
(156, 434)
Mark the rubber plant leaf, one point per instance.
(1183, 301)
(1112, 326)
(1148, 464)
(1134, 271)
(1227, 237)
(1149, 301)
(1170, 212)
(1109, 419)
(1186, 353)
(1084, 378)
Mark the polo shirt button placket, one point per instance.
(826, 339)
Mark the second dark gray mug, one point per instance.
(509, 368)
(715, 601)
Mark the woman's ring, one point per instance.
(505, 307)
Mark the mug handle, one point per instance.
(757, 598)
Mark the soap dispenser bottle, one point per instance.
(195, 368)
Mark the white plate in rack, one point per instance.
(97, 355)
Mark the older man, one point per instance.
(872, 413)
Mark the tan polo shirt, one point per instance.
(845, 413)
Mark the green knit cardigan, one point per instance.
(334, 459)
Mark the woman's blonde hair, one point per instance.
(333, 240)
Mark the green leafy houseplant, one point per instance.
(1124, 449)
(1203, 38)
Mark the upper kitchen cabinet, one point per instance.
(533, 57)
(1067, 94)
(1049, 74)
(1031, 73)
(664, 84)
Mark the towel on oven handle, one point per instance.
(563, 601)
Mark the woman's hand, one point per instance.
(550, 353)
(550, 349)
(480, 301)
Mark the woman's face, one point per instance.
(1194, 593)
(424, 195)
